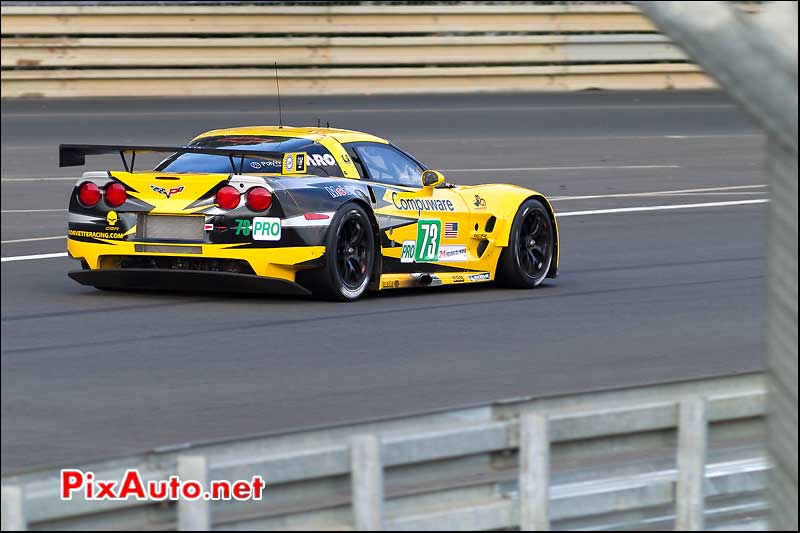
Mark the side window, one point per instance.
(387, 164)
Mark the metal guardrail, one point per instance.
(612, 459)
(335, 49)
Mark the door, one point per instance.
(423, 230)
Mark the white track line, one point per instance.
(599, 167)
(41, 179)
(403, 110)
(732, 193)
(658, 193)
(427, 140)
(566, 214)
(678, 192)
(34, 239)
(4, 211)
(499, 169)
(30, 257)
(527, 140)
(659, 208)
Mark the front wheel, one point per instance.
(349, 257)
(526, 260)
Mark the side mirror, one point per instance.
(432, 178)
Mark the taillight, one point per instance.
(88, 194)
(115, 194)
(259, 199)
(228, 197)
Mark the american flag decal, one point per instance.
(451, 230)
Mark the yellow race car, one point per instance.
(295, 210)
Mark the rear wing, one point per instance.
(74, 155)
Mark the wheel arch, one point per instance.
(377, 266)
(553, 272)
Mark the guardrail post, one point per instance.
(367, 482)
(691, 459)
(534, 472)
(13, 511)
(194, 515)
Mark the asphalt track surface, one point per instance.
(644, 296)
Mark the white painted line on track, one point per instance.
(565, 214)
(528, 140)
(598, 167)
(4, 211)
(34, 239)
(732, 193)
(31, 257)
(40, 179)
(497, 169)
(442, 109)
(659, 208)
(677, 192)
(658, 193)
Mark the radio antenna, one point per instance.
(278, 87)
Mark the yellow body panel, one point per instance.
(193, 185)
(485, 202)
(269, 262)
(330, 138)
(343, 136)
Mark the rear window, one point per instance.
(320, 161)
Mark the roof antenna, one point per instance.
(278, 87)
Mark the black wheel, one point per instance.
(349, 257)
(524, 264)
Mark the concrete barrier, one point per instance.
(74, 51)
(330, 19)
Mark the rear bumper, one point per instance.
(185, 280)
(272, 262)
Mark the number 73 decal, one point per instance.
(427, 249)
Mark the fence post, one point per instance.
(534, 472)
(367, 482)
(194, 515)
(13, 511)
(691, 459)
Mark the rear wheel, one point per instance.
(350, 256)
(526, 260)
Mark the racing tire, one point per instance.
(525, 262)
(349, 257)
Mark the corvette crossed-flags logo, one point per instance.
(165, 192)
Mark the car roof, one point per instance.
(314, 134)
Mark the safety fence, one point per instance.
(145, 50)
(687, 455)
(755, 60)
